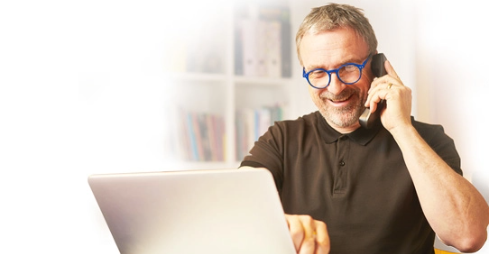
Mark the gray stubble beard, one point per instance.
(343, 117)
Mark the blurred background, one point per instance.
(123, 86)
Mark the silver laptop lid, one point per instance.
(205, 211)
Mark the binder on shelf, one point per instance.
(281, 14)
(263, 41)
(238, 49)
(261, 48)
(286, 49)
(249, 46)
(241, 13)
(273, 49)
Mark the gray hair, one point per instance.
(331, 16)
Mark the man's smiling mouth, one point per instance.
(339, 100)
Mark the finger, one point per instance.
(379, 92)
(373, 99)
(377, 84)
(383, 83)
(296, 231)
(390, 69)
(323, 245)
(309, 242)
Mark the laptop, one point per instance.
(197, 211)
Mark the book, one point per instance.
(194, 151)
(251, 124)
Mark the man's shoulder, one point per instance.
(428, 130)
(424, 126)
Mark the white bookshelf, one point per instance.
(220, 92)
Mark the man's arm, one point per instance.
(456, 211)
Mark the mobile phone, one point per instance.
(367, 119)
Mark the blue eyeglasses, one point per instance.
(349, 73)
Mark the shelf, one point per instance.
(200, 165)
(200, 77)
(261, 81)
(238, 80)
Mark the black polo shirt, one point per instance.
(357, 183)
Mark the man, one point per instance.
(347, 189)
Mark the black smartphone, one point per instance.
(367, 120)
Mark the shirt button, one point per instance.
(342, 163)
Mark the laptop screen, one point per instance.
(203, 211)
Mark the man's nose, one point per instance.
(335, 85)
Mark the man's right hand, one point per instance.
(309, 236)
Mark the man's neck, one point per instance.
(344, 130)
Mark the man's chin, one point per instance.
(341, 119)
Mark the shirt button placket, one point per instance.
(340, 183)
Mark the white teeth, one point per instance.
(338, 100)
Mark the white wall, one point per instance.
(79, 94)
(452, 57)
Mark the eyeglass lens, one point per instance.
(348, 74)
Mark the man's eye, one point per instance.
(317, 74)
(349, 68)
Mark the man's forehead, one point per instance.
(336, 46)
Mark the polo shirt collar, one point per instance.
(361, 135)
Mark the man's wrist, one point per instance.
(404, 133)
